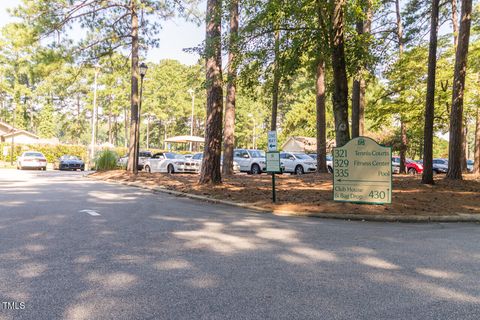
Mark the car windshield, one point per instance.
(69, 158)
(302, 156)
(470, 162)
(329, 158)
(34, 154)
(257, 154)
(198, 156)
(170, 155)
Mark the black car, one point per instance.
(68, 162)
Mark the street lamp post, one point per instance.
(192, 94)
(143, 72)
(94, 113)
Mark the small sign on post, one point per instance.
(272, 141)
(273, 164)
(362, 172)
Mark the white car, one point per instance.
(169, 162)
(198, 157)
(250, 161)
(297, 163)
(32, 160)
(143, 156)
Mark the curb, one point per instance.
(459, 217)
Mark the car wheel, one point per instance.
(170, 169)
(412, 171)
(147, 169)
(255, 169)
(299, 170)
(330, 169)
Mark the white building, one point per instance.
(19, 136)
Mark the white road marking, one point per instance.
(90, 212)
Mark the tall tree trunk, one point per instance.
(456, 114)
(464, 147)
(427, 175)
(125, 114)
(148, 131)
(229, 133)
(476, 157)
(340, 82)
(210, 172)
(276, 82)
(403, 127)
(455, 22)
(321, 121)
(110, 132)
(132, 165)
(403, 146)
(455, 44)
(115, 131)
(359, 85)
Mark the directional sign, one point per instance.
(272, 141)
(273, 162)
(362, 172)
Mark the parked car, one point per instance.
(297, 163)
(198, 157)
(470, 165)
(68, 162)
(412, 167)
(32, 160)
(169, 162)
(250, 161)
(329, 160)
(439, 165)
(142, 158)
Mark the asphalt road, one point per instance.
(138, 255)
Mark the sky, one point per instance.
(175, 35)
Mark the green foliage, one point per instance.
(46, 127)
(106, 160)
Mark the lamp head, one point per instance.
(143, 69)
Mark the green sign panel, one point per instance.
(273, 162)
(362, 172)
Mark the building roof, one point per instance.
(17, 132)
(185, 139)
(306, 144)
(9, 131)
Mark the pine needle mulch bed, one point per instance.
(313, 193)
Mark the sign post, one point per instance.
(273, 159)
(362, 172)
(273, 166)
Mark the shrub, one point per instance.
(106, 160)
